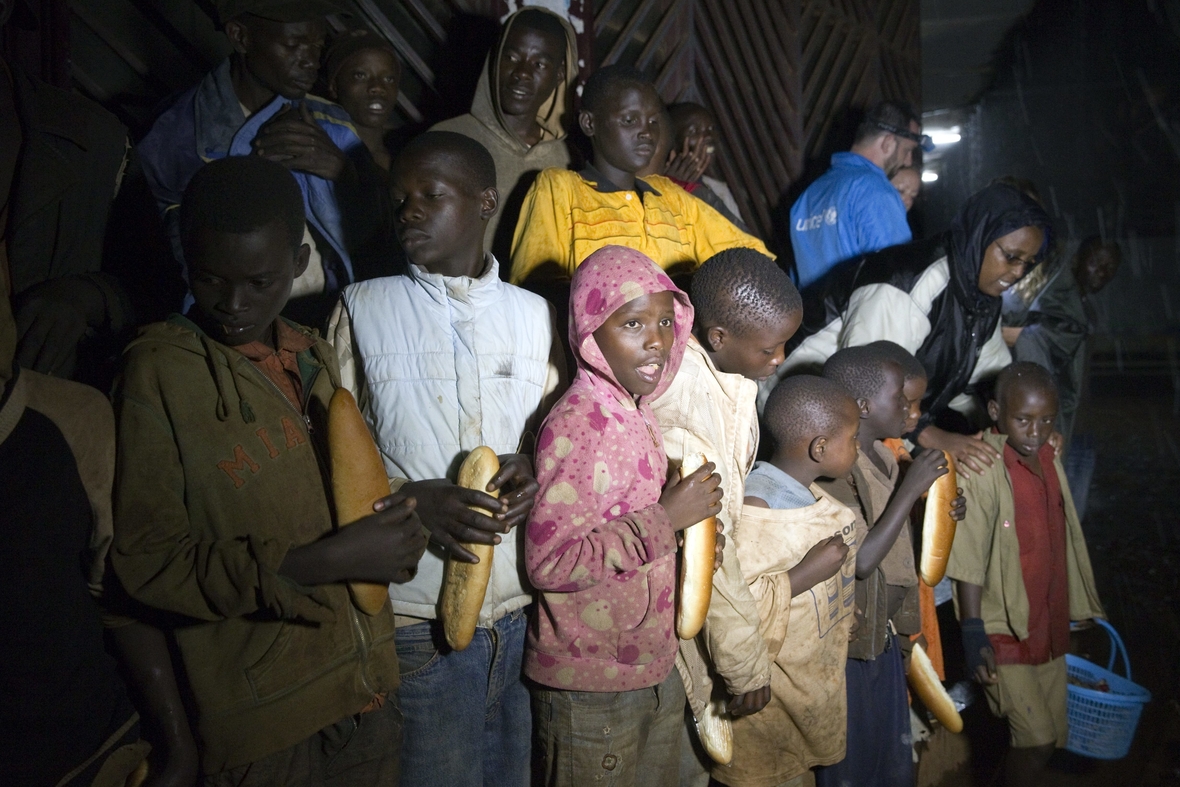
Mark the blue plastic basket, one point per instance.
(1102, 724)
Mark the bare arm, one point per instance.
(927, 467)
(144, 653)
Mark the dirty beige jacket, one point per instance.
(804, 724)
(711, 412)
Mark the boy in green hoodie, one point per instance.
(222, 514)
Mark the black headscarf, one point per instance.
(962, 319)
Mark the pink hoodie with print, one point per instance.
(600, 548)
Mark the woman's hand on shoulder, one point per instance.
(971, 453)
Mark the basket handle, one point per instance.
(1117, 647)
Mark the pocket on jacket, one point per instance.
(653, 636)
(264, 678)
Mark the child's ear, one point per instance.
(301, 258)
(817, 448)
(865, 408)
(715, 336)
(993, 411)
(586, 122)
(489, 202)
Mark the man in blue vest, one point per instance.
(853, 209)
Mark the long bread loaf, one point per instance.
(925, 683)
(358, 481)
(466, 583)
(696, 564)
(938, 528)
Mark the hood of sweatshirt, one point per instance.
(485, 107)
(607, 279)
(225, 366)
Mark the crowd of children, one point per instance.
(205, 506)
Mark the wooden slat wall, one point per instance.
(778, 75)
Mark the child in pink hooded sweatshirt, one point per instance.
(601, 545)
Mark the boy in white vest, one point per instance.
(443, 360)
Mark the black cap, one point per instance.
(277, 10)
(923, 140)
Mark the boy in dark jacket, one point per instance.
(222, 515)
(878, 750)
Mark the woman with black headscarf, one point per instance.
(939, 299)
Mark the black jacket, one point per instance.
(962, 318)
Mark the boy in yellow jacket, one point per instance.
(568, 215)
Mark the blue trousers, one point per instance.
(467, 714)
(880, 743)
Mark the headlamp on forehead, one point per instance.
(923, 140)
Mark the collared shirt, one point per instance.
(567, 216)
(779, 490)
(852, 209)
(279, 363)
(1040, 530)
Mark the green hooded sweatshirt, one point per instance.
(218, 476)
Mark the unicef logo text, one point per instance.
(829, 217)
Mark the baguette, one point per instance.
(925, 683)
(716, 732)
(358, 481)
(696, 564)
(938, 528)
(466, 583)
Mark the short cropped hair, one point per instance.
(681, 111)
(860, 370)
(608, 80)
(803, 407)
(1026, 375)
(241, 194)
(476, 166)
(544, 23)
(1095, 243)
(891, 113)
(910, 366)
(742, 289)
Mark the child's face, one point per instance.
(908, 185)
(636, 340)
(241, 281)
(659, 159)
(914, 390)
(1026, 414)
(366, 86)
(839, 454)
(698, 129)
(532, 64)
(439, 216)
(626, 134)
(888, 407)
(756, 353)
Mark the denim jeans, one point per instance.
(613, 739)
(468, 721)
